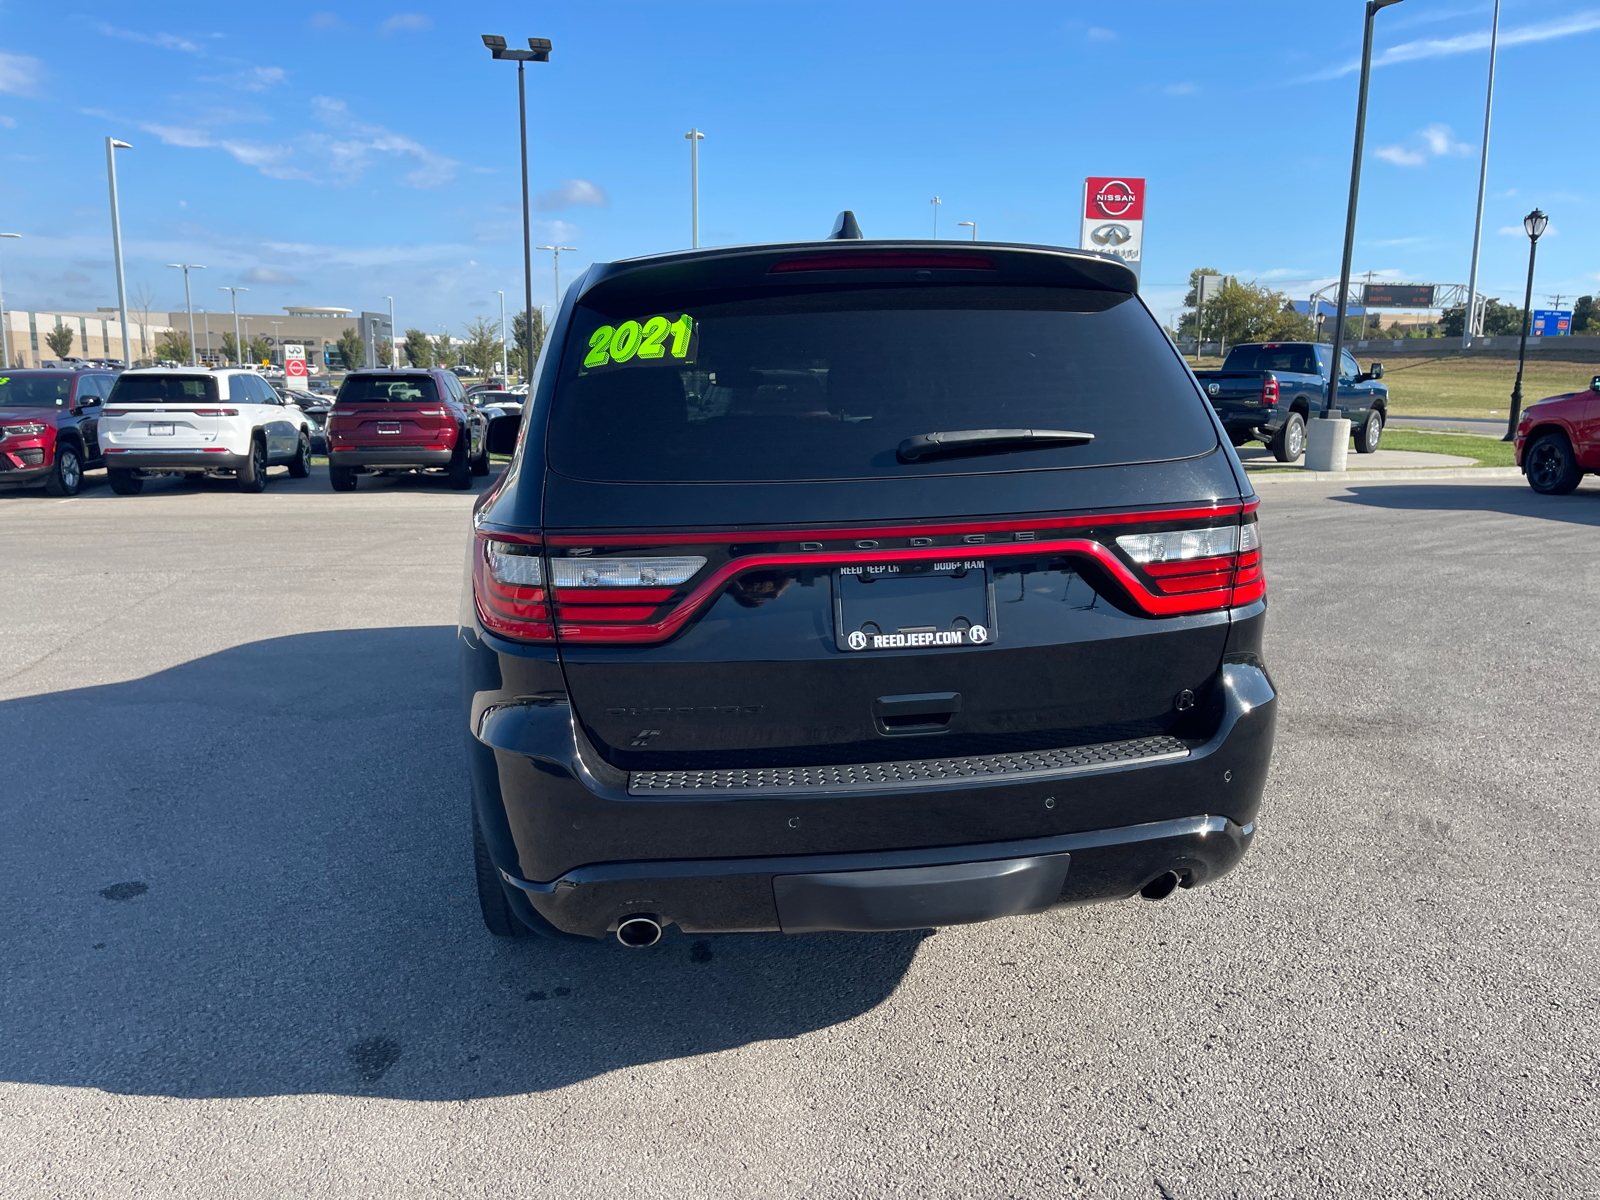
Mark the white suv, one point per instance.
(191, 421)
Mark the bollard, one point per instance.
(1327, 444)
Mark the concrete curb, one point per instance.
(1409, 474)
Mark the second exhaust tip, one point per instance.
(639, 931)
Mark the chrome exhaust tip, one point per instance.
(639, 931)
(1161, 886)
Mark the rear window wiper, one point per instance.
(985, 441)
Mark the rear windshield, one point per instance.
(825, 385)
(1293, 358)
(34, 391)
(180, 389)
(389, 389)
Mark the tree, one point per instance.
(352, 349)
(174, 345)
(230, 349)
(143, 299)
(1251, 312)
(1499, 320)
(444, 349)
(386, 353)
(519, 332)
(258, 350)
(419, 350)
(482, 349)
(1585, 318)
(59, 339)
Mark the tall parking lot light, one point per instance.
(1483, 179)
(1535, 224)
(5, 344)
(238, 345)
(555, 254)
(112, 146)
(695, 137)
(974, 225)
(538, 51)
(188, 303)
(394, 357)
(1350, 216)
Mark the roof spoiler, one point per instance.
(845, 228)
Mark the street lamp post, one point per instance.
(394, 358)
(936, 202)
(112, 146)
(504, 357)
(974, 225)
(538, 51)
(277, 342)
(695, 137)
(207, 320)
(1373, 7)
(238, 345)
(5, 344)
(555, 255)
(188, 303)
(1534, 224)
(1483, 179)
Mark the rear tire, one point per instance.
(1289, 443)
(66, 474)
(1551, 466)
(497, 915)
(300, 464)
(343, 479)
(480, 465)
(459, 473)
(1370, 434)
(252, 475)
(125, 483)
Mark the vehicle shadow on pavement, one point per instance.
(1581, 507)
(251, 875)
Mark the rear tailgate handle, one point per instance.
(919, 712)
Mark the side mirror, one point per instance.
(503, 432)
(1594, 384)
(1376, 371)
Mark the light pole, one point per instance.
(5, 344)
(504, 357)
(277, 342)
(1373, 6)
(207, 321)
(695, 137)
(555, 255)
(974, 225)
(188, 303)
(1534, 224)
(1483, 178)
(112, 146)
(394, 359)
(238, 345)
(538, 51)
(936, 202)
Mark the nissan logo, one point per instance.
(1111, 235)
(1213, 389)
(1115, 198)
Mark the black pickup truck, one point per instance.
(1267, 391)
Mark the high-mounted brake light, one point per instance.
(885, 260)
(216, 412)
(1269, 390)
(508, 585)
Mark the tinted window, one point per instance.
(389, 389)
(826, 385)
(45, 389)
(1292, 358)
(1348, 364)
(150, 389)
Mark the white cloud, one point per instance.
(1466, 43)
(267, 275)
(167, 41)
(255, 79)
(20, 74)
(1097, 34)
(573, 192)
(7, 122)
(352, 153)
(1436, 140)
(326, 20)
(1180, 89)
(407, 23)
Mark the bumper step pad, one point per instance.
(921, 772)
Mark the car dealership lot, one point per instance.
(210, 700)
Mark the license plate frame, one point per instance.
(946, 604)
(388, 427)
(163, 429)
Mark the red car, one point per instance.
(48, 427)
(393, 421)
(1558, 440)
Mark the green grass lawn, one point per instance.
(1490, 452)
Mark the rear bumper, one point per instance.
(173, 460)
(578, 850)
(387, 457)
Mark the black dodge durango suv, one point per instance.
(859, 585)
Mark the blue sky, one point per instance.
(335, 155)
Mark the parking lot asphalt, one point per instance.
(242, 956)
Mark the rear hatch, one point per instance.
(390, 412)
(749, 570)
(163, 412)
(1236, 391)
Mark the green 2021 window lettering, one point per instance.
(660, 338)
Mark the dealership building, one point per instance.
(98, 334)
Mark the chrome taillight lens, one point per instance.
(1180, 544)
(624, 572)
(1217, 566)
(508, 586)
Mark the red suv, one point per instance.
(405, 420)
(1558, 440)
(48, 427)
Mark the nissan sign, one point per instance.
(1113, 217)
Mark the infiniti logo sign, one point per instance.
(1111, 235)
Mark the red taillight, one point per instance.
(508, 585)
(613, 599)
(1249, 582)
(1269, 390)
(216, 412)
(1212, 566)
(884, 260)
